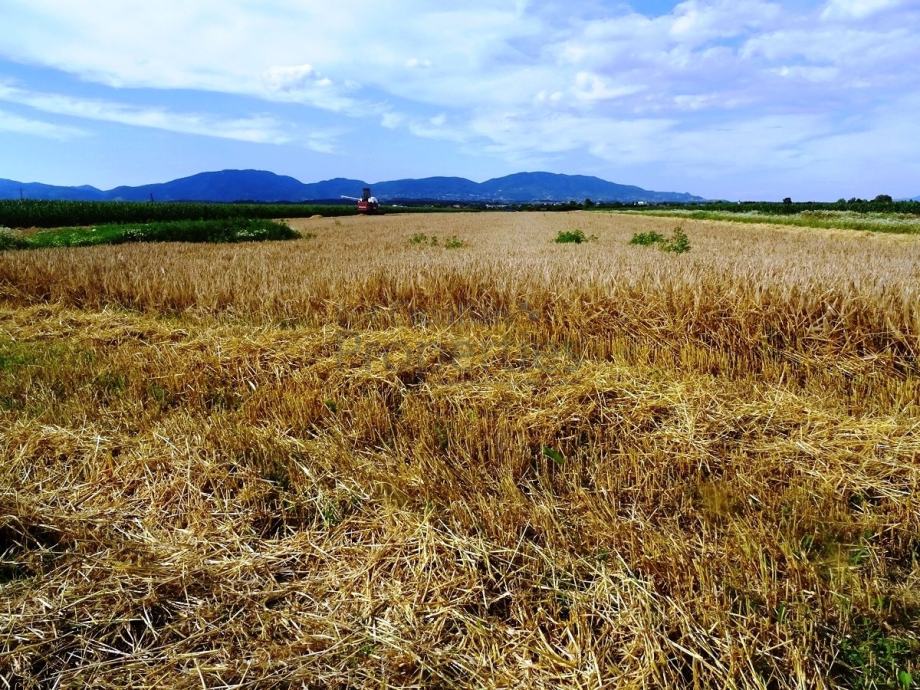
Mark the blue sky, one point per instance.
(723, 98)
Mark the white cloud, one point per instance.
(625, 141)
(437, 127)
(812, 74)
(304, 84)
(22, 125)
(294, 76)
(593, 87)
(270, 50)
(417, 63)
(391, 120)
(696, 21)
(858, 9)
(545, 97)
(258, 129)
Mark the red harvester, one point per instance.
(367, 203)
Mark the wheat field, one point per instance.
(354, 460)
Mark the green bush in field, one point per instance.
(573, 237)
(454, 242)
(647, 239)
(420, 239)
(677, 243)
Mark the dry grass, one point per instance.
(352, 461)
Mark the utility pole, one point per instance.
(21, 195)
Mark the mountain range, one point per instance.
(264, 186)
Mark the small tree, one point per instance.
(788, 201)
(883, 199)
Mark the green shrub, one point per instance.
(454, 242)
(420, 239)
(573, 237)
(677, 243)
(646, 239)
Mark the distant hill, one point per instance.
(10, 189)
(261, 185)
(433, 188)
(543, 186)
(236, 185)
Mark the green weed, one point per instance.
(454, 242)
(15, 354)
(420, 239)
(869, 659)
(553, 454)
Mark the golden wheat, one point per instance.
(350, 461)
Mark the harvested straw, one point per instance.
(519, 464)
